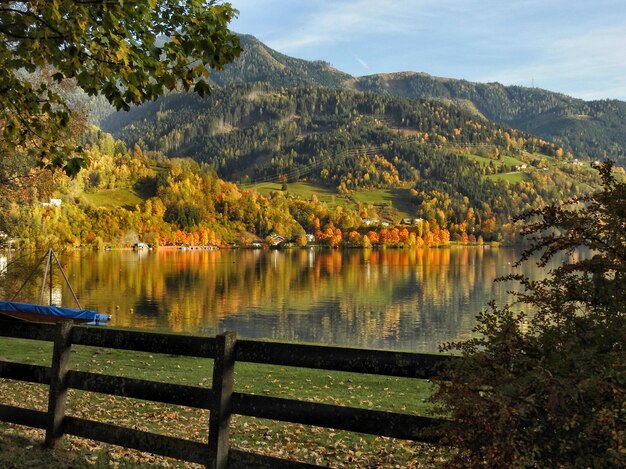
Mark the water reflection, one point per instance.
(396, 299)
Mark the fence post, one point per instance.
(57, 395)
(219, 419)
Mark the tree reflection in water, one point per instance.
(396, 299)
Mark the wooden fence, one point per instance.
(220, 400)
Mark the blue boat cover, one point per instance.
(89, 315)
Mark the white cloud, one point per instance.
(332, 22)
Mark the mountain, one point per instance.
(596, 129)
(259, 63)
(450, 157)
(442, 159)
(318, 151)
(593, 129)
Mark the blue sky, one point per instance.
(576, 47)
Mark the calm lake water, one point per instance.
(392, 299)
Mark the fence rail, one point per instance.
(221, 400)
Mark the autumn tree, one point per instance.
(354, 238)
(301, 241)
(373, 237)
(544, 386)
(127, 51)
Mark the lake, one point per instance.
(392, 299)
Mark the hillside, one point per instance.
(455, 158)
(340, 168)
(261, 63)
(596, 129)
(440, 160)
(593, 129)
(124, 197)
(347, 166)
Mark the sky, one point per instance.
(575, 47)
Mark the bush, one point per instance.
(545, 387)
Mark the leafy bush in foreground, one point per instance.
(545, 387)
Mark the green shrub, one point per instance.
(544, 387)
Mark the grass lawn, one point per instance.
(114, 198)
(310, 444)
(512, 161)
(508, 160)
(484, 161)
(514, 177)
(398, 198)
(302, 189)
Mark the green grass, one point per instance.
(398, 198)
(512, 161)
(375, 196)
(302, 189)
(315, 445)
(510, 177)
(273, 380)
(114, 198)
(484, 161)
(507, 160)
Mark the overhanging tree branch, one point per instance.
(108, 47)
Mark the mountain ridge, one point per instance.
(593, 129)
(443, 160)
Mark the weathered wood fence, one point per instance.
(220, 400)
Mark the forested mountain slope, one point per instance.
(596, 129)
(593, 129)
(347, 166)
(447, 160)
(258, 62)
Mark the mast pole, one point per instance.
(67, 282)
(45, 275)
(50, 302)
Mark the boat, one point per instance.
(40, 313)
(13, 310)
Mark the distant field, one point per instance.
(397, 198)
(302, 189)
(479, 159)
(114, 198)
(517, 176)
(511, 161)
(512, 177)
(508, 160)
